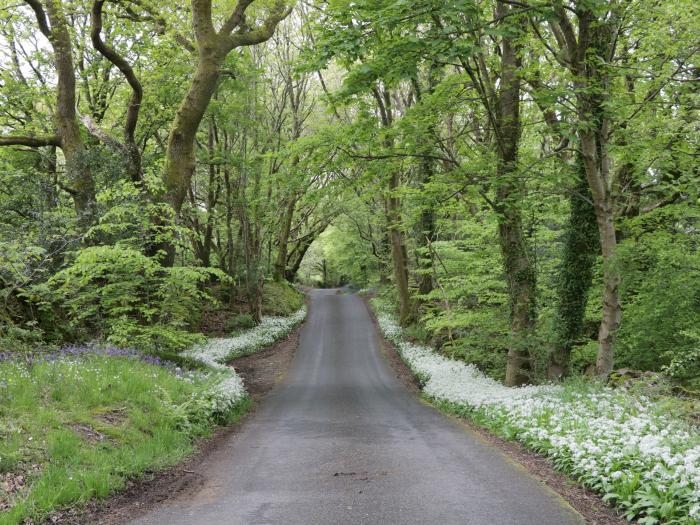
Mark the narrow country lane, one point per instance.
(343, 441)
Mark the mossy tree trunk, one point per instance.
(52, 23)
(212, 47)
(510, 190)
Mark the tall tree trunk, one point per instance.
(581, 246)
(280, 270)
(292, 266)
(179, 156)
(521, 279)
(253, 278)
(427, 233)
(520, 273)
(213, 46)
(592, 89)
(398, 251)
(605, 218)
(52, 23)
(67, 126)
(384, 267)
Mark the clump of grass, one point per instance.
(77, 428)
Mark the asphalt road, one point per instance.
(343, 441)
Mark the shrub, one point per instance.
(661, 297)
(120, 295)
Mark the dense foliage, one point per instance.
(503, 166)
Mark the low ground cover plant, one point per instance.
(624, 446)
(216, 351)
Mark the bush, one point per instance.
(661, 298)
(121, 296)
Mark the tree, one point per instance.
(212, 49)
(51, 21)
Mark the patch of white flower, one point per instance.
(621, 445)
(230, 390)
(226, 394)
(216, 351)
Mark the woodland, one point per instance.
(518, 179)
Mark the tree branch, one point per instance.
(102, 135)
(236, 18)
(40, 16)
(262, 33)
(32, 142)
(110, 54)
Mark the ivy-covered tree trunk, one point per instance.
(521, 279)
(587, 55)
(581, 247)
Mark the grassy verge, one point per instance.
(627, 447)
(77, 424)
(75, 428)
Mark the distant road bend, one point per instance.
(342, 441)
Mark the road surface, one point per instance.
(342, 441)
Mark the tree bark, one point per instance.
(398, 251)
(52, 23)
(586, 54)
(427, 232)
(213, 47)
(605, 218)
(280, 269)
(517, 263)
(180, 156)
(67, 126)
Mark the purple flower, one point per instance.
(86, 350)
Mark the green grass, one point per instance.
(281, 298)
(79, 429)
